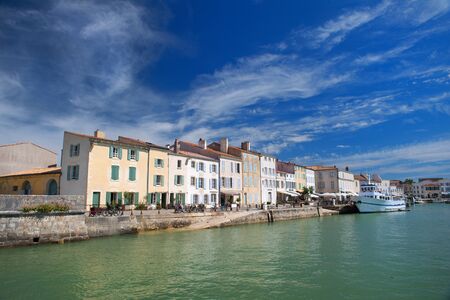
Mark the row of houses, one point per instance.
(434, 189)
(131, 171)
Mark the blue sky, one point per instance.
(364, 84)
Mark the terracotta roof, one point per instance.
(207, 150)
(321, 168)
(361, 177)
(35, 171)
(194, 155)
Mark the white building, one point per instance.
(268, 179)
(310, 179)
(346, 182)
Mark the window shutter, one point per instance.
(154, 180)
(119, 198)
(162, 180)
(77, 171)
(128, 154)
(156, 164)
(108, 197)
(162, 163)
(78, 147)
(158, 198)
(137, 154)
(175, 179)
(136, 198)
(68, 172)
(110, 151)
(149, 198)
(182, 180)
(71, 150)
(120, 153)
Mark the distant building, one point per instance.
(38, 181)
(286, 182)
(310, 179)
(326, 179)
(24, 156)
(428, 188)
(268, 179)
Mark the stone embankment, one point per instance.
(27, 229)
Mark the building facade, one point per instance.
(39, 181)
(310, 179)
(25, 156)
(326, 179)
(268, 179)
(300, 177)
(286, 182)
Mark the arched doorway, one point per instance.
(52, 187)
(26, 188)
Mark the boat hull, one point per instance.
(371, 205)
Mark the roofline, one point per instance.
(23, 143)
(56, 171)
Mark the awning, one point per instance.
(231, 193)
(314, 196)
(288, 193)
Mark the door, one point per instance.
(163, 200)
(96, 199)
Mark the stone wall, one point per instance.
(34, 229)
(16, 202)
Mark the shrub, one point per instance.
(46, 208)
(141, 206)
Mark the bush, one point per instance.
(141, 206)
(46, 208)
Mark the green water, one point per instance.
(377, 256)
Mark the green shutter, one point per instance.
(162, 163)
(68, 172)
(120, 152)
(154, 180)
(115, 172)
(128, 154)
(132, 174)
(182, 179)
(136, 198)
(183, 199)
(162, 180)
(149, 198)
(108, 197)
(137, 154)
(119, 198)
(156, 163)
(175, 179)
(110, 151)
(158, 198)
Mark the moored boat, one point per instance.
(371, 199)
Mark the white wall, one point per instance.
(268, 179)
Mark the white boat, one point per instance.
(371, 199)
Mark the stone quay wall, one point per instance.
(11, 203)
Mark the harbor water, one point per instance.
(403, 255)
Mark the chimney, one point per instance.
(202, 143)
(346, 169)
(177, 146)
(224, 145)
(245, 145)
(99, 134)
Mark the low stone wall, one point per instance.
(16, 202)
(36, 228)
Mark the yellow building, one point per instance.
(300, 178)
(38, 181)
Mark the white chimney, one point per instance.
(99, 134)
(177, 146)
(202, 143)
(224, 145)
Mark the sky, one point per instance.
(363, 84)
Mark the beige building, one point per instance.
(105, 171)
(24, 156)
(300, 178)
(38, 181)
(251, 169)
(326, 179)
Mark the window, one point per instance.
(213, 198)
(195, 199)
(231, 183)
(201, 183)
(222, 181)
(73, 172)
(205, 199)
(179, 164)
(159, 163)
(75, 150)
(133, 154)
(238, 168)
(193, 164)
(192, 181)
(332, 184)
(213, 168)
(245, 167)
(115, 172)
(132, 174)
(179, 180)
(115, 152)
(213, 184)
(15, 188)
(201, 166)
(158, 180)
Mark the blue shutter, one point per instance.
(154, 180)
(182, 180)
(137, 154)
(108, 197)
(136, 198)
(162, 163)
(120, 153)
(128, 154)
(119, 198)
(110, 151)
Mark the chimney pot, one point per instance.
(245, 145)
(202, 143)
(224, 145)
(99, 134)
